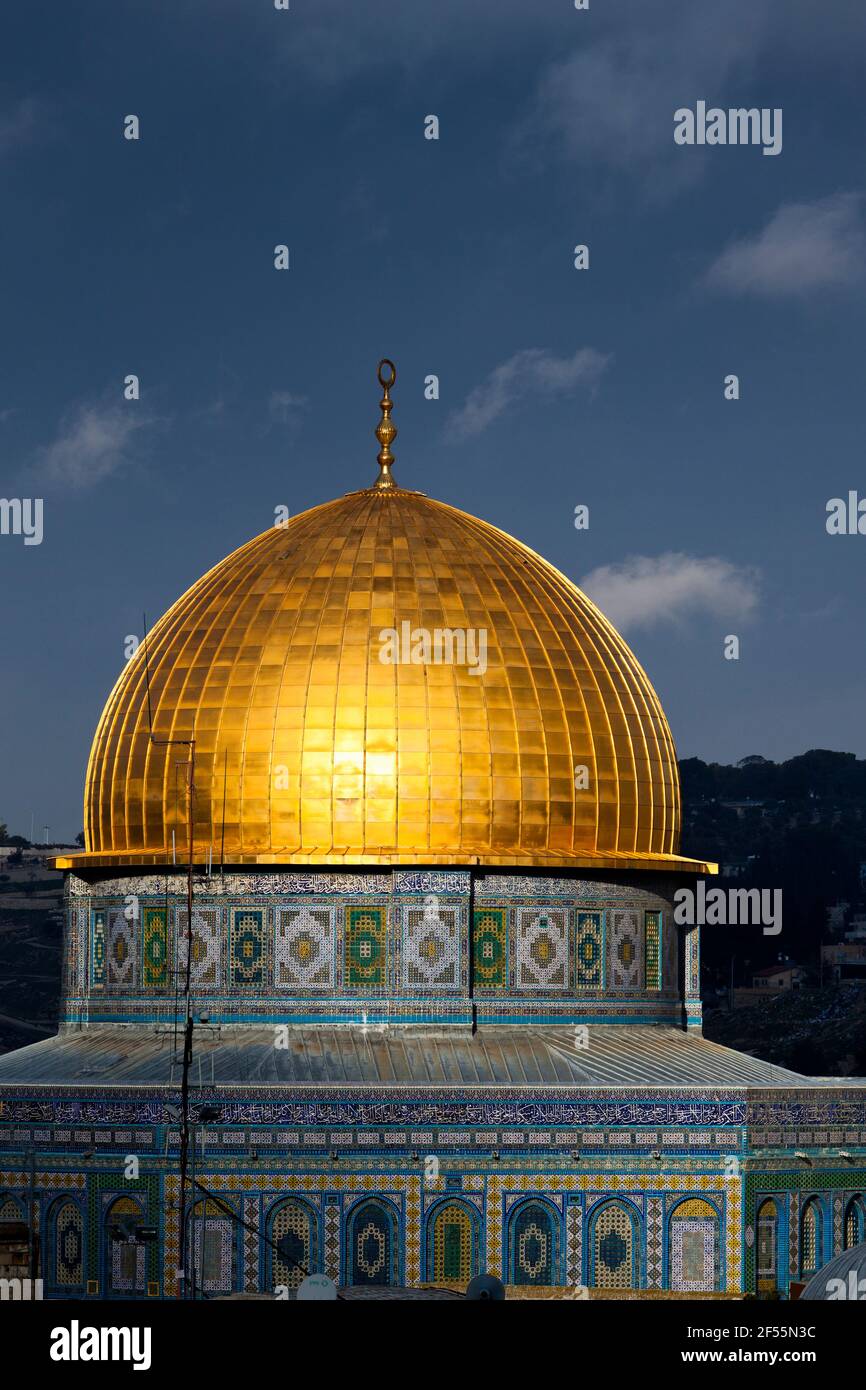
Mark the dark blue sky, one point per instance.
(454, 257)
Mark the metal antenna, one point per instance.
(147, 676)
(188, 1027)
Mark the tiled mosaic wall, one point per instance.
(599, 1188)
(679, 1232)
(323, 947)
(672, 1231)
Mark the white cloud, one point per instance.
(331, 41)
(92, 443)
(611, 101)
(804, 247)
(648, 591)
(283, 406)
(529, 372)
(20, 125)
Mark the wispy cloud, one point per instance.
(650, 591)
(610, 102)
(529, 372)
(93, 441)
(20, 125)
(283, 406)
(331, 41)
(803, 248)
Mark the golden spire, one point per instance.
(386, 433)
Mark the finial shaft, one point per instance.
(386, 432)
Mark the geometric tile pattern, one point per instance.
(541, 948)
(837, 1225)
(366, 948)
(767, 1242)
(305, 947)
(246, 955)
(626, 965)
(574, 1254)
(97, 951)
(431, 946)
(614, 1248)
(533, 1245)
(692, 1256)
(855, 1223)
(412, 1274)
(280, 934)
(494, 1226)
(371, 1242)
(332, 1241)
(69, 1246)
(794, 1234)
(292, 1227)
(491, 954)
(212, 1243)
(810, 1238)
(155, 948)
(122, 939)
(205, 968)
(251, 1244)
(590, 950)
(654, 1243)
(127, 1273)
(681, 1189)
(452, 1234)
(694, 1247)
(693, 964)
(652, 942)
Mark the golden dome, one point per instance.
(322, 750)
(384, 680)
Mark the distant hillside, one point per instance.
(799, 826)
(820, 1032)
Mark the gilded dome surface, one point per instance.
(323, 736)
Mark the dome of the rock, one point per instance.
(325, 732)
(420, 1004)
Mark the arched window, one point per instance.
(533, 1245)
(452, 1244)
(212, 1245)
(372, 1244)
(810, 1238)
(768, 1246)
(125, 1274)
(15, 1251)
(855, 1222)
(65, 1252)
(614, 1247)
(295, 1228)
(693, 1253)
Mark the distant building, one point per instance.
(836, 914)
(744, 806)
(773, 980)
(846, 960)
(734, 868)
(783, 975)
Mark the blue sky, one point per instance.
(455, 257)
